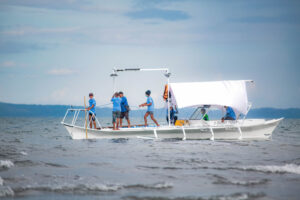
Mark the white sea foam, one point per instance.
(76, 188)
(288, 168)
(242, 196)
(6, 164)
(101, 187)
(82, 188)
(6, 191)
(163, 185)
(223, 180)
(23, 153)
(158, 186)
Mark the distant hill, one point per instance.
(293, 113)
(26, 110)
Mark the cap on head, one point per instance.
(148, 92)
(91, 94)
(203, 110)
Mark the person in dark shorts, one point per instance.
(173, 117)
(116, 100)
(124, 109)
(92, 110)
(230, 114)
(150, 110)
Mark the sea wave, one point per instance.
(226, 181)
(5, 164)
(25, 163)
(288, 168)
(83, 188)
(279, 169)
(6, 191)
(55, 165)
(23, 153)
(235, 196)
(162, 185)
(70, 188)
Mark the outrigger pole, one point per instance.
(166, 73)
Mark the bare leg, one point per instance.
(128, 122)
(95, 124)
(90, 121)
(121, 122)
(152, 117)
(114, 123)
(145, 118)
(118, 123)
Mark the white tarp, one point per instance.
(218, 94)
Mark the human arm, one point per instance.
(145, 104)
(148, 103)
(89, 108)
(112, 98)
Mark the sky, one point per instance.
(57, 51)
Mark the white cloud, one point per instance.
(63, 96)
(61, 72)
(8, 64)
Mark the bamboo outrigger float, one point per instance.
(211, 95)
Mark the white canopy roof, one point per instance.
(218, 94)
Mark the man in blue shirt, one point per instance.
(92, 110)
(124, 109)
(230, 114)
(150, 109)
(116, 100)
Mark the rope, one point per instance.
(104, 105)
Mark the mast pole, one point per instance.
(114, 75)
(114, 84)
(169, 117)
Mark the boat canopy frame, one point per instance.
(166, 72)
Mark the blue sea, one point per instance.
(39, 160)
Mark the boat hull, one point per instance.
(255, 129)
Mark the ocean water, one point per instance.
(38, 160)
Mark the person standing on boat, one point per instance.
(150, 110)
(124, 109)
(173, 116)
(116, 100)
(92, 110)
(230, 114)
(204, 114)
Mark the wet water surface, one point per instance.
(38, 160)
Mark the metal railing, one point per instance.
(76, 114)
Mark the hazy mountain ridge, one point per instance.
(31, 110)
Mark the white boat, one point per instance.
(211, 95)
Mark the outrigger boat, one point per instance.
(210, 95)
